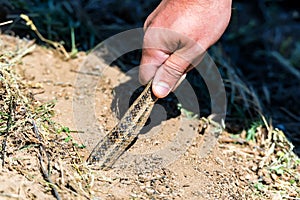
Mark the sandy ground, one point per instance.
(176, 158)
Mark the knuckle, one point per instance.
(174, 67)
(172, 70)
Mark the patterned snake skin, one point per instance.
(113, 145)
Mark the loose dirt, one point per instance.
(177, 158)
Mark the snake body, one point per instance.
(114, 144)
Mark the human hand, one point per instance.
(177, 34)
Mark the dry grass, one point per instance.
(257, 40)
(273, 166)
(32, 143)
(43, 151)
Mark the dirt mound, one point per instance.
(46, 160)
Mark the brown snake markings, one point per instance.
(113, 145)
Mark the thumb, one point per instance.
(168, 74)
(151, 60)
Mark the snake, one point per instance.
(114, 144)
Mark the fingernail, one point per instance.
(161, 89)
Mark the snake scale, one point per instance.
(113, 145)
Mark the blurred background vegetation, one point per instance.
(258, 56)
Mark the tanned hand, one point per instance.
(177, 33)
